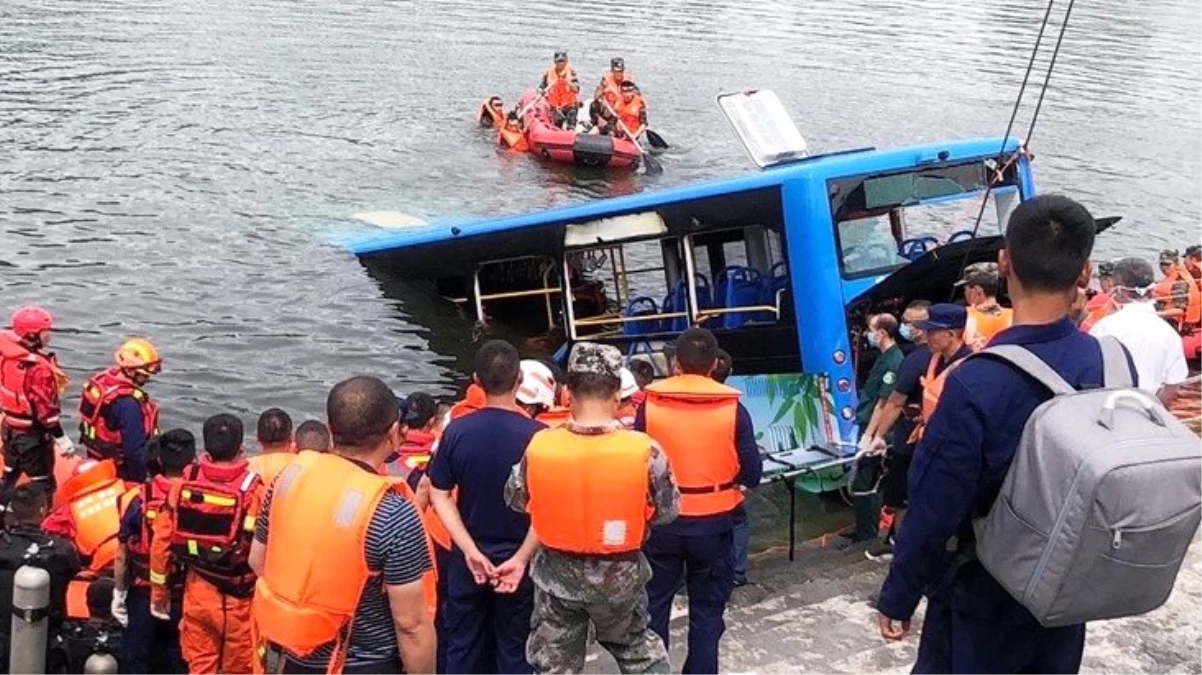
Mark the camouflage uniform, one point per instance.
(571, 590)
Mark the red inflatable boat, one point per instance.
(570, 147)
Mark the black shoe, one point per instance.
(848, 532)
(880, 552)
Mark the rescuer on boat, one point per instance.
(419, 423)
(1178, 297)
(986, 317)
(632, 113)
(562, 90)
(609, 92)
(1101, 304)
(150, 644)
(312, 435)
(708, 436)
(116, 414)
(207, 524)
(592, 489)
(30, 385)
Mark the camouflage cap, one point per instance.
(1106, 268)
(1194, 251)
(590, 357)
(1170, 256)
(979, 274)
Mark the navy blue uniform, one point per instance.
(698, 552)
(486, 631)
(972, 624)
(148, 645)
(125, 416)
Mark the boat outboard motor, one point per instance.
(26, 650)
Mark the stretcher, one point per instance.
(787, 466)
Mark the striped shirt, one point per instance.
(397, 553)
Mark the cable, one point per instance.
(999, 174)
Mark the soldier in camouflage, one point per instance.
(570, 589)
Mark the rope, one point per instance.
(1000, 173)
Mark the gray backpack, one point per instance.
(1101, 502)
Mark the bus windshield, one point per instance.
(883, 221)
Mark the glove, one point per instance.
(160, 613)
(64, 446)
(118, 607)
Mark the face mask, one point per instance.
(907, 332)
(873, 340)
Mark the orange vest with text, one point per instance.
(982, 326)
(693, 418)
(560, 93)
(96, 500)
(303, 602)
(588, 493)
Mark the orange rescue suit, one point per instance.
(216, 635)
(693, 418)
(92, 503)
(588, 493)
(305, 602)
(982, 326)
(16, 410)
(932, 389)
(560, 92)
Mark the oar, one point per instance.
(656, 141)
(653, 167)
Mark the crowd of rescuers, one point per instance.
(618, 107)
(489, 533)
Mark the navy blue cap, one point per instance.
(944, 316)
(418, 409)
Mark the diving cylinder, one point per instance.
(102, 664)
(30, 624)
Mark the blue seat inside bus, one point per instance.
(913, 249)
(641, 306)
(678, 301)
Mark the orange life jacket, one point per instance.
(513, 140)
(430, 578)
(982, 326)
(932, 389)
(269, 464)
(560, 93)
(693, 418)
(154, 494)
(303, 602)
(588, 493)
(98, 394)
(77, 597)
(473, 400)
(487, 112)
(215, 508)
(95, 501)
(631, 112)
(15, 360)
(555, 417)
(611, 87)
(1099, 307)
(1166, 293)
(413, 455)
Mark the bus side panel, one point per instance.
(818, 295)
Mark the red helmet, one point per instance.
(29, 321)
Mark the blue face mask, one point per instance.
(873, 340)
(907, 332)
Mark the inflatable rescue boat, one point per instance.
(572, 147)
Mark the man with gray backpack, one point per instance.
(1072, 496)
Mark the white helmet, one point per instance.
(629, 386)
(538, 384)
